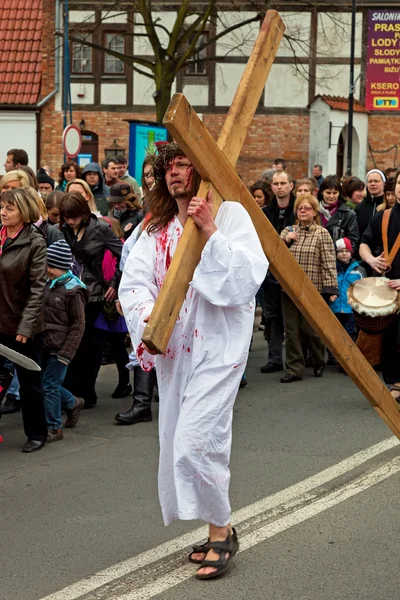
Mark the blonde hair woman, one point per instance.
(14, 179)
(80, 185)
(23, 274)
(37, 198)
(313, 248)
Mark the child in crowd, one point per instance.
(64, 302)
(348, 271)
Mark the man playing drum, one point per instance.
(380, 244)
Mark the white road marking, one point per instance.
(260, 535)
(80, 588)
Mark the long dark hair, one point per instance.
(162, 206)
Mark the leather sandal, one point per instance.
(229, 546)
(201, 548)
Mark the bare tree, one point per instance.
(172, 48)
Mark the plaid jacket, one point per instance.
(315, 253)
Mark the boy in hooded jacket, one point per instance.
(64, 302)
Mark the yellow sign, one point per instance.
(386, 102)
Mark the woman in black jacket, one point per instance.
(23, 274)
(339, 220)
(89, 238)
(126, 209)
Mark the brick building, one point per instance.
(302, 115)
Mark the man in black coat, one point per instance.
(280, 213)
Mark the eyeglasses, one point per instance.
(306, 208)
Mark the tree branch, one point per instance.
(144, 8)
(125, 58)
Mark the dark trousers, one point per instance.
(83, 369)
(390, 361)
(121, 356)
(31, 392)
(274, 330)
(296, 328)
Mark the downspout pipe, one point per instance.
(57, 58)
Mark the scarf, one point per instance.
(4, 238)
(66, 276)
(327, 211)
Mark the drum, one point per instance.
(374, 303)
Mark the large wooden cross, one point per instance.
(215, 162)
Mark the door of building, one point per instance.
(90, 146)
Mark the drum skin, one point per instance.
(374, 303)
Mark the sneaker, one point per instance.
(73, 413)
(54, 435)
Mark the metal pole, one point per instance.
(351, 89)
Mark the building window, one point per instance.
(112, 65)
(82, 55)
(197, 65)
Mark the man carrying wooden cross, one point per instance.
(200, 372)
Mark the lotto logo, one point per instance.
(386, 103)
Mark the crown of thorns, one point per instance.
(165, 152)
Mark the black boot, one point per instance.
(140, 410)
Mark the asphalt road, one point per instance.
(89, 504)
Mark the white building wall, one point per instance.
(227, 78)
(113, 93)
(334, 35)
(334, 80)
(196, 94)
(18, 130)
(286, 87)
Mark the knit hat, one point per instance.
(43, 177)
(59, 255)
(344, 244)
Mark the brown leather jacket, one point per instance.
(23, 274)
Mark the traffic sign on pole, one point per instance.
(72, 141)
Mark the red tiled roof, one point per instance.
(20, 51)
(341, 103)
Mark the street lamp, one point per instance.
(114, 150)
(351, 89)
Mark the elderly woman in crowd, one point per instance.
(337, 218)
(23, 274)
(312, 247)
(89, 238)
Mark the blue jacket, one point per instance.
(346, 275)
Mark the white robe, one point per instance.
(199, 374)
